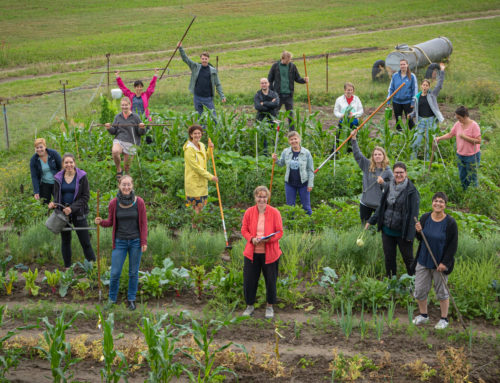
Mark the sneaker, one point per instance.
(420, 319)
(441, 325)
(248, 311)
(131, 305)
(269, 312)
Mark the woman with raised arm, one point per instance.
(468, 136)
(376, 174)
(427, 111)
(262, 228)
(71, 195)
(138, 98)
(127, 216)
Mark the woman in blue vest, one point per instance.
(403, 100)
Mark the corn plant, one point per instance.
(109, 373)
(30, 285)
(52, 279)
(58, 351)
(203, 335)
(162, 349)
(9, 280)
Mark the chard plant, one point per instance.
(198, 276)
(110, 373)
(58, 350)
(52, 279)
(9, 280)
(30, 285)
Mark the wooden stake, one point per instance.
(98, 251)
(307, 84)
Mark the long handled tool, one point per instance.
(359, 127)
(98, 251)
(177, 47)
(274, 161)
(228, 247)
(442, 277)
(307, 84)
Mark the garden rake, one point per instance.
(228, 247)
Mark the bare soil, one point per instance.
(307, 342)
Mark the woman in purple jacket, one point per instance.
(71, 190)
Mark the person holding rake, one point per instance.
(127, 128)
(441, 232)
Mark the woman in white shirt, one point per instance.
(348, 107)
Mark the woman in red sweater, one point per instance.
(262, 228)
(127, 215)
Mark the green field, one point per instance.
(338, 317)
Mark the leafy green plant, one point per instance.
(346, 319)
(198, 275)
(30, 285)
(9, 280)
(110, 373)
(67, 280)
(52, 279)
(58, 350)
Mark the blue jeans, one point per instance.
(200, 102)
(467, 169)
(118, 256)
(305, 197)
(424, 124)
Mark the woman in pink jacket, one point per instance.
(139, 99)
(262, 228)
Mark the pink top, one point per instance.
(465, 148)
(260, 248)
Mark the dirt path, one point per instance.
(339, 32)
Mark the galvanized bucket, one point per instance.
(57, 221)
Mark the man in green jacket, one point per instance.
(204, 78)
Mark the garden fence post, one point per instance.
(64, 83)
(4, 107)
(107, 68)
(326, 73)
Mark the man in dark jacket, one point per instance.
(266, 102)
(282, 76)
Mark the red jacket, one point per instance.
(145, 95)
(143, 220)
(272, 224)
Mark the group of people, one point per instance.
(389, 199)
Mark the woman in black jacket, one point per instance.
(71, 189)
(440, 230)
(395, 216)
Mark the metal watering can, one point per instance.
(58, 222)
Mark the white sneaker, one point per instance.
(441, 325)
(248, 311)
(419, 319)
(269, 312)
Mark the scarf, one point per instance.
(125, 200)
(395, 190)
(349, 100)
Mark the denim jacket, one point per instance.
(306, 165)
